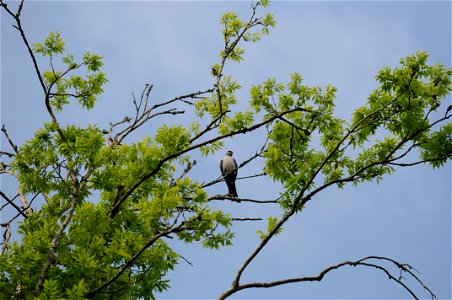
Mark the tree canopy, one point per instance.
(108, 205)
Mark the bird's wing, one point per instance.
(235, 168)
(221, 167)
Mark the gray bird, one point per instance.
(228, 167)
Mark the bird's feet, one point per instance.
(233, 196)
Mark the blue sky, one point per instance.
(173, 44)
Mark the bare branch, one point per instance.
(25, 205)
(186, 260)
(403, 268)
(190, 165)
(143, 113)
(234, 199)
(5, 6)
(13, 204)
(419, 162)
(10, 141)
(44, 87)
(9, 154)
(246, 219)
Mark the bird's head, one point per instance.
(229, 153)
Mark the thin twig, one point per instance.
(190, 165)
(234, 199)
(246, 219)
(10, 141)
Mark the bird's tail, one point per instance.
(231, 188)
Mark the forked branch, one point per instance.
(369, 261)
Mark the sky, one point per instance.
(173, 44)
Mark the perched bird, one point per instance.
(228, 167)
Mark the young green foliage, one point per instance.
(108, 206)
(61, 88)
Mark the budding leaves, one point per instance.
(64, 85)
(53, 44)
(272, 223)
(93, 62)
(235, 30)
(310, 149)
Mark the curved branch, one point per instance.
(361, 262)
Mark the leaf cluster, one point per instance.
(60, 88)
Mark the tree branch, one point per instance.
(361, 262)
(45, 89)
(115, 208)
(300, 200)
(242, 164)
(246, 219)
(6, 236)
(124, 267)
(13, 204)
(56, 239)
(234, 199)
(143, 113)
(10, 141)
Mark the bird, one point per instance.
(228, 167)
